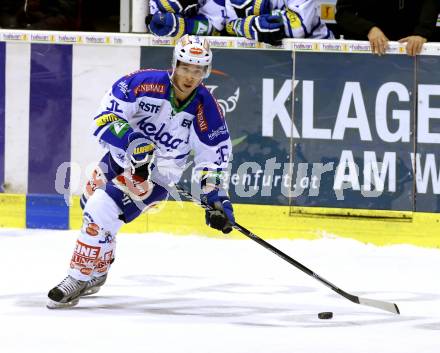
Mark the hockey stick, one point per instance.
(379, 304)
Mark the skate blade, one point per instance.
(52, 304)
(90, 291)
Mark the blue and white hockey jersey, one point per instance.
(143, 101)
(210, 15)
(300, 17)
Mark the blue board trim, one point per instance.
(50, 115)
(46, 211)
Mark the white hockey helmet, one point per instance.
(193, 50)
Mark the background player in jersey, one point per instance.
(267, 21)
(178, 17)
(149, 122)
(270, 21)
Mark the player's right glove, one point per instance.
(135, 180)
(165, 24)
(222, 215)
(268, 29)
(141, 152)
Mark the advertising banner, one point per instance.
(354, 131)
(319, 126)
(427, 154)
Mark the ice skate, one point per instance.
(94, 285)
(66, 294)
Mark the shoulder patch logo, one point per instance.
(201, 119)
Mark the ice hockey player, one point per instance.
(270, 21)
(149, 122)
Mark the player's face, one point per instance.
(188, 76)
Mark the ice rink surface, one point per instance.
(189, 294)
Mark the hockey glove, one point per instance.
(135, 181)
(265, 28)
(187, 8)
(268, 29)
(165, 24)
(222, 215)
(141, 152)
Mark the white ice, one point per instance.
(189, 294)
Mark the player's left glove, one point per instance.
(222, 215)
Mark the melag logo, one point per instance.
(223, 90)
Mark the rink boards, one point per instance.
(358, 158)
(267, 221)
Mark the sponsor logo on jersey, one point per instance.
(86, 251)
(104, 263)
(149, 107)
(216, 133)
(92, 229)
(108, 239)
(123, 87)
(143, 149)
(84, 257)
(160, 136)
(119, 128)
(186, 123)
(106, 118)
(149, 88)
(201, 119)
